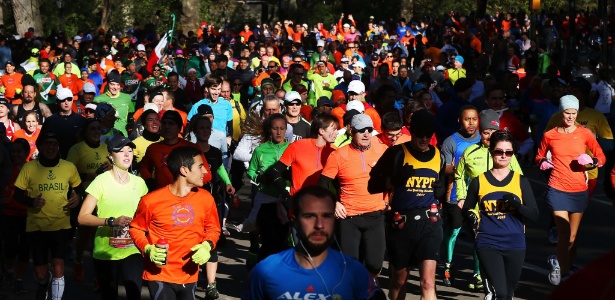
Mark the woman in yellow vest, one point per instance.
(504, 198)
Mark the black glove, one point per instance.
(472, 221)
(402, 175)
(286, 198)
(511, 200)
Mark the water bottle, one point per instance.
(433, 213)
(162, 243)
(397, 221)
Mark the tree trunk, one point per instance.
(27, 14)
(106, 14)
(1, 13)
(481, 8)
(128, 8)
(407, 9)
(190, 15)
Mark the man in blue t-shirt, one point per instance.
(317, 271)
(223, 111)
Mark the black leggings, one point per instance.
(129, 269)
(274, 234)
(362, 238)
(159, 290)
(502, 269)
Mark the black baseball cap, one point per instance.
(205, 109)
(118, 142)
(45, 135)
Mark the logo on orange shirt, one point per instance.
(183, 215)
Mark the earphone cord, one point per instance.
(319, 275)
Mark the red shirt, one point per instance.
(511, 124)
(154, 163)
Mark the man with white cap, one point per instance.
(361, 213)
(141, 59)
(88, 92)
(301, 127)
(356, 92)
(65, 121)
(320, 48)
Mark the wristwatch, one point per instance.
(110, 221)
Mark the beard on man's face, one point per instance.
(314, 249)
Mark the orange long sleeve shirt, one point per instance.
(154, 163)
(184, 221)
(567, 174)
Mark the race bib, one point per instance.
(120, 238)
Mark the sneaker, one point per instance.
(552, 236)
(447, 275)
(18, 287)
(476, 283)
(211, 292)
(225, 232)
(78, 272)
(554, 273)
(234, 226)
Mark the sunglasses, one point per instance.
(500, 152)
(64, 100)
(364, 130)
(89, 111)
(297, 61)
(293, 104)
(389, 56)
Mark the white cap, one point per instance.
(292, 96)
(77, 38)
(359, 64)
(320, 43)
(344, 59)
(356, 105)
(440, 68)
(151, 106)
(140, 47)
(63, 93)
(90, 106)
(88, 87)
(305, 25)
(356, 86)
(346, 25)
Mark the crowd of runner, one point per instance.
(417, 127)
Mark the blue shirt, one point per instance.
(223, 112)
(98, 81)
(279, 276)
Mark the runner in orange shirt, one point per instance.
(10, 83)
(69, 80)
(187, 218)
(361, 214)
(306, 157)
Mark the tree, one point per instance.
(190, 15)
(27, 14)
(407, 9)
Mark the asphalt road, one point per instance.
(596, 237)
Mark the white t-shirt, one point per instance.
(605, 91)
